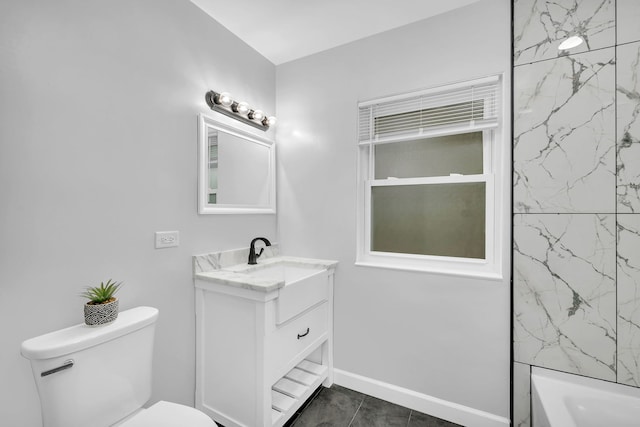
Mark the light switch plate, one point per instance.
(167, 239)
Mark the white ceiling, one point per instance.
(284, 30)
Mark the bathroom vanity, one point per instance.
(264, 335)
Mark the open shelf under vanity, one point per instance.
(292, 390)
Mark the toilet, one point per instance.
(101, 376)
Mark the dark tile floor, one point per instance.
(341, 407)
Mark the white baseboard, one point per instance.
(444, 409)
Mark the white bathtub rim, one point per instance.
(545, 390)
(586, 381)
(551, 387)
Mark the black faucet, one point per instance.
(252, 250)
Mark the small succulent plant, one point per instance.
(101, 294)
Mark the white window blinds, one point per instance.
(461, 107)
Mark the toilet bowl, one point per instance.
(167, 414)
(82, 371)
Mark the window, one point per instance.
(428, 179)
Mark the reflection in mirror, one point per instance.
(236, 171)
(212, 138)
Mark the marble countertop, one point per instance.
(239, 275)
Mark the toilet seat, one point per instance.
(168, 414)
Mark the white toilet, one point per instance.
(101, 376)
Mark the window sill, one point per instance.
(489, 276)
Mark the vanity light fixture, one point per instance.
(570, 43)
(223, 103)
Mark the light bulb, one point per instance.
(570, 43)
(269, 121)
(256, 115)
(225, 99)
(242, 108)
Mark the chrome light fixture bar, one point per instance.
(223, 103)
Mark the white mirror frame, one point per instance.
(204, 207)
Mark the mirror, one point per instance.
(236, 170)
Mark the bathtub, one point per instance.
(559, 399)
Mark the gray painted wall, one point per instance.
(443, 336)
(98, 107)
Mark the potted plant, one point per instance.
(102, 307)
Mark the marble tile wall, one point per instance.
(565, 294)
(576, 201)
(628, 126)
(628, 262)
(540, 26)
(564, 134)
(627, 18)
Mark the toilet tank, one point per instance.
(106, 371)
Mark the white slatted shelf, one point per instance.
(301, 376)
(290, 388)
(276, 416)
(313, 368)
(281, 402)
(291, 391)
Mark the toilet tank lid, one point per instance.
(79, 337)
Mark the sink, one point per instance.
(287, 272)
(268, 275)
(294, 284)
(305, 285)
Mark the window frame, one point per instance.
(492, 175)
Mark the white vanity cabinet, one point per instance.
(262, 346)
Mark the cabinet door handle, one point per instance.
(304, 335)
